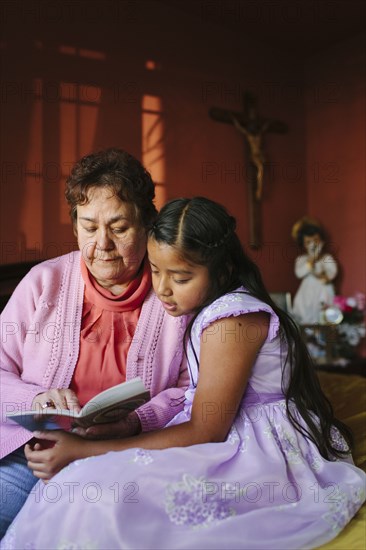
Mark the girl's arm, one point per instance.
(229, 348)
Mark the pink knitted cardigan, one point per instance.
(40, 334)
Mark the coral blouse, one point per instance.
(107, 328)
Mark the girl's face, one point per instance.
(181, 286)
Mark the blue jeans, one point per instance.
(16, 482)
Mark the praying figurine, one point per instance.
(316, 269)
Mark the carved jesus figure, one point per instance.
(253, 128)
(255, 141)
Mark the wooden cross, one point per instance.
(253, 129)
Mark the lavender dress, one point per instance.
(265, 487)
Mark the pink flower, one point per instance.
(341, 302)
(360, 301)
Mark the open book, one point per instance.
(108, 406)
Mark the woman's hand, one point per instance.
(57, 399)
(126, 427)
(52, 451)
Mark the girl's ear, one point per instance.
(75, 228)
(223, 277)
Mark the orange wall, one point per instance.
(336, 145)
(70, 88)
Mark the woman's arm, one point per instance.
(16, 318)
(27, 322)
(229, 348)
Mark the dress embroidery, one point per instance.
(337, 440)
(283, 507)
(342, 508)
(191, 502)
(233, 437)
(243, 447)
(142, 457)
(287, 444)
(314, 461)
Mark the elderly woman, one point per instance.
(85, 321)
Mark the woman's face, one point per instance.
(112, 243)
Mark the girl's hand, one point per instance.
(57, 399)
(52, 451)
(126, 427)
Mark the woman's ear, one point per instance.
(75, 228)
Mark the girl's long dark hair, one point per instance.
(203, 232)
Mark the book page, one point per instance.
(109, 406)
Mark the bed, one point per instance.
(347, 393)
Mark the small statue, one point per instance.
(316, 269)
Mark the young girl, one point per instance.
(256, 460)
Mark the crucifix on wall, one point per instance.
(253, 128)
